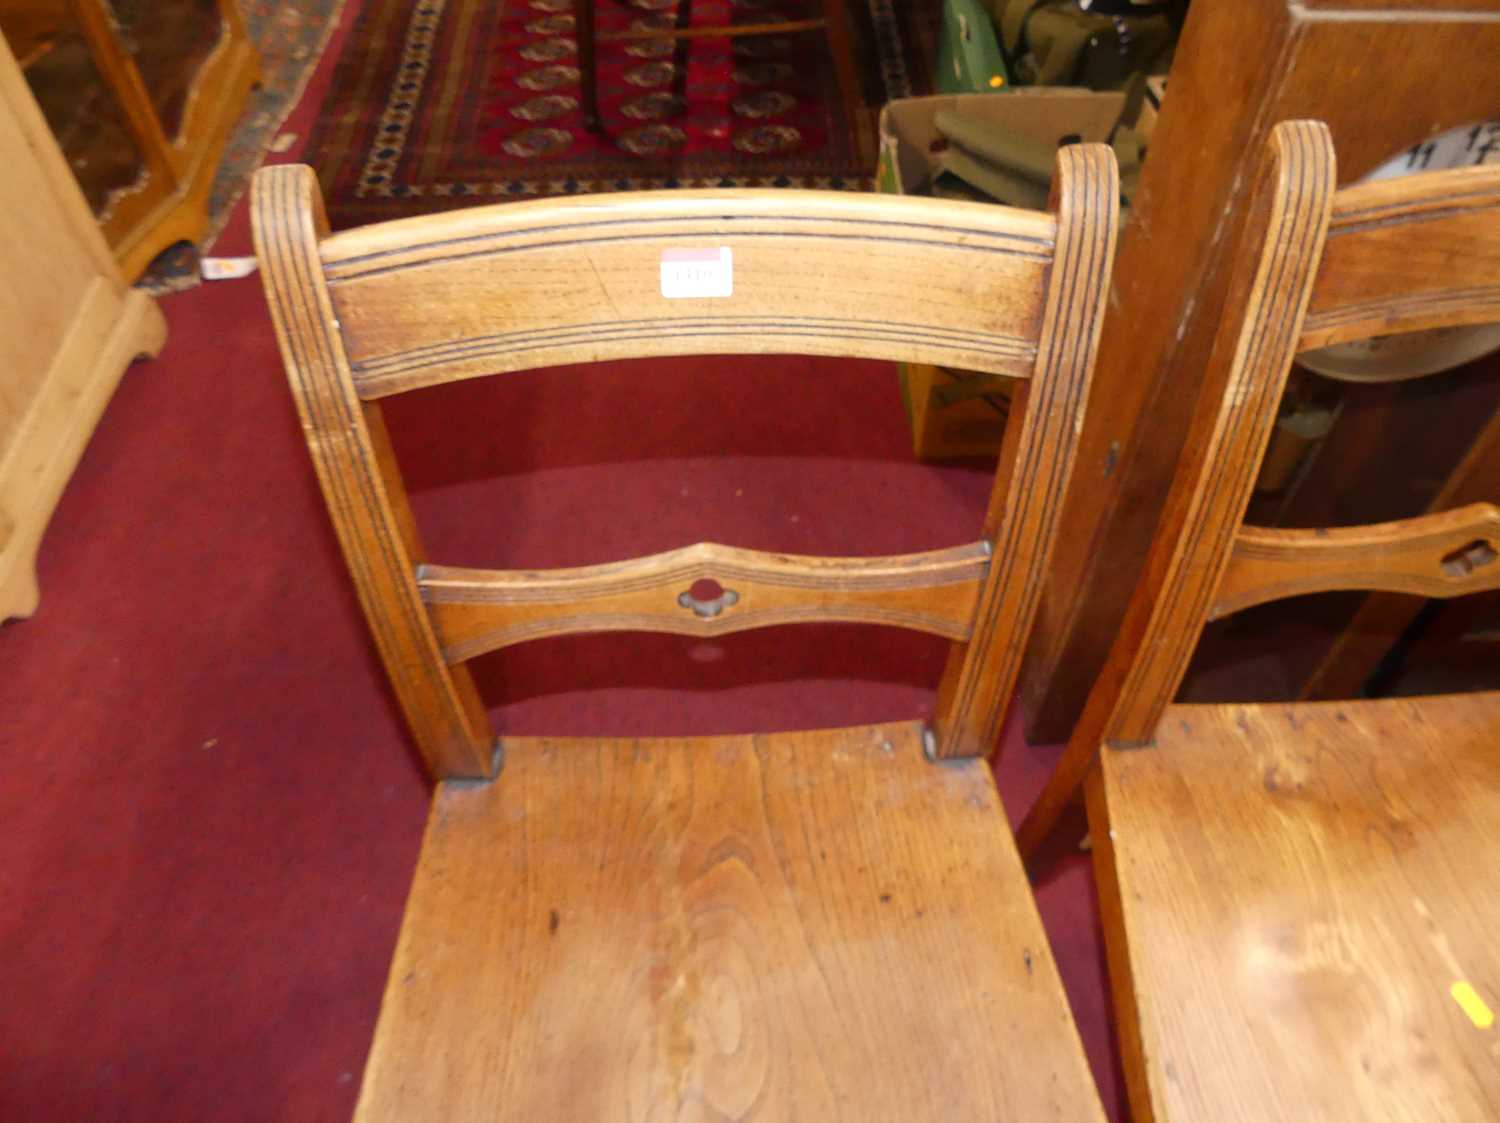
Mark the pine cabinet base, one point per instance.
(68, 327)
(106, 335)
(141, 96)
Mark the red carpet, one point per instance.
(211, 811)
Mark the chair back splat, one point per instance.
(419, 302)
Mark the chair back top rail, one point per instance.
(515, 286)
(1407, 254)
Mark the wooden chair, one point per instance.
(1300, 900)
(804, 926)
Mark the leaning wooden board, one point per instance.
(68, 328)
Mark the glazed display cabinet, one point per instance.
(141, 96)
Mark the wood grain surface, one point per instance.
(1205, 563)
(1300, 888)
(811, 926)
(1228, 440)
(1383, 617)
(69, 326)
(408, 304)
(168, 201)
(477, 610)
(1291, 893)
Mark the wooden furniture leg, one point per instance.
(588, 78)
(841, 47)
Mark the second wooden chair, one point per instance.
(1300, 900)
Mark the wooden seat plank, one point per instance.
(1301, 886)
(800, 926)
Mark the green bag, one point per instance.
(1061, 43)
(985, 161)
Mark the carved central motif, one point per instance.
(1466, 559)
(478, 610)
(707, 598)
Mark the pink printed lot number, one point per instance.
(697, 273)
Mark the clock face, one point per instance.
(1392, 358)
(1457, 148)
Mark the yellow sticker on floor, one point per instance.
(1469, 1001)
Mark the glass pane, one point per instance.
(169, 40)
(80, 108)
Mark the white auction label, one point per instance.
(697, 273)
(226, 268)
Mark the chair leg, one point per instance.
(682, 48)
(841, 46)
(1034, 837)
(588, 77)
(1117, 950)
(1065, 837)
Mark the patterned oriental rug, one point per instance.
(442, 103)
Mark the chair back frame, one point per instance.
(419, 302)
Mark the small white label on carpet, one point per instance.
(226, 268)
(697, 273)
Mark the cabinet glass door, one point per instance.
(80, 108)
(169, 41)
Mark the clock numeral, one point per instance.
(1486, 131)
(1483, 140)
(1420, 155)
